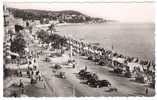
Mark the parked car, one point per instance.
(98, 83)
(103, 83)
(118, 70)
(47, 59)
(57, 66)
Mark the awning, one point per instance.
(120, 60)
(12, 53)
(132, 65)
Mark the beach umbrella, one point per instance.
(133, 65)
(8, 57)
(27, 49)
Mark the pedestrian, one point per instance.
(146, 91)
(14, 94)
(19, 73)
(44, 83)
(85, 68)
(21, 85)
(74, 65)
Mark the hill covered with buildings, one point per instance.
(65, 16)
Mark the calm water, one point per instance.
(130, 39)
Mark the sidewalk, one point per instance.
(40, 89)
(9, 86)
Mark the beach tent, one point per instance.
(120, 60)
(8, 57)
(133, 65)
(16, 67)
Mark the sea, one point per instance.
(129, 39)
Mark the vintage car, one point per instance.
(81, 72)
(51, 55)
(87, 76)
(118, 70)
(47, 59)
(98, 83)
(103, 83)
(102, 62)
(90, 57)
(57, 66)
(84, 75)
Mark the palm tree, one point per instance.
(52, 28)
(11, 33)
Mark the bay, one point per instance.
(129, 39)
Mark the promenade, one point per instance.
(71, 86)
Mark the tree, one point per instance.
(43, 35)
(47, 21)
(52, 28)
(27, 24)
(18, 45)
(18, 28)
(30, 29)
(41, 20)
(57, 40)
(11, 33)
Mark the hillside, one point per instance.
(68, 16)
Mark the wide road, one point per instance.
(73, 86)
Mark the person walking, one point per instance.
(85, 68)
(21, 85)
(146, 91)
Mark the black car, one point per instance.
(90, 57)
(99, 83)
(87, 75)
(127, 74)
(57, 66)
(118, 70)
(52, 55)
(103, 83)
(84, 74)
(102, 63)
(81, 72)
(96, 59)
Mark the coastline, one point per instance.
(124, 42)
(101, 43)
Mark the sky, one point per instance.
(123, 12)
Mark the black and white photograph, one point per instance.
(101, 49)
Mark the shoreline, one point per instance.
(99, 45)
(144, 49)
(95, 42)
